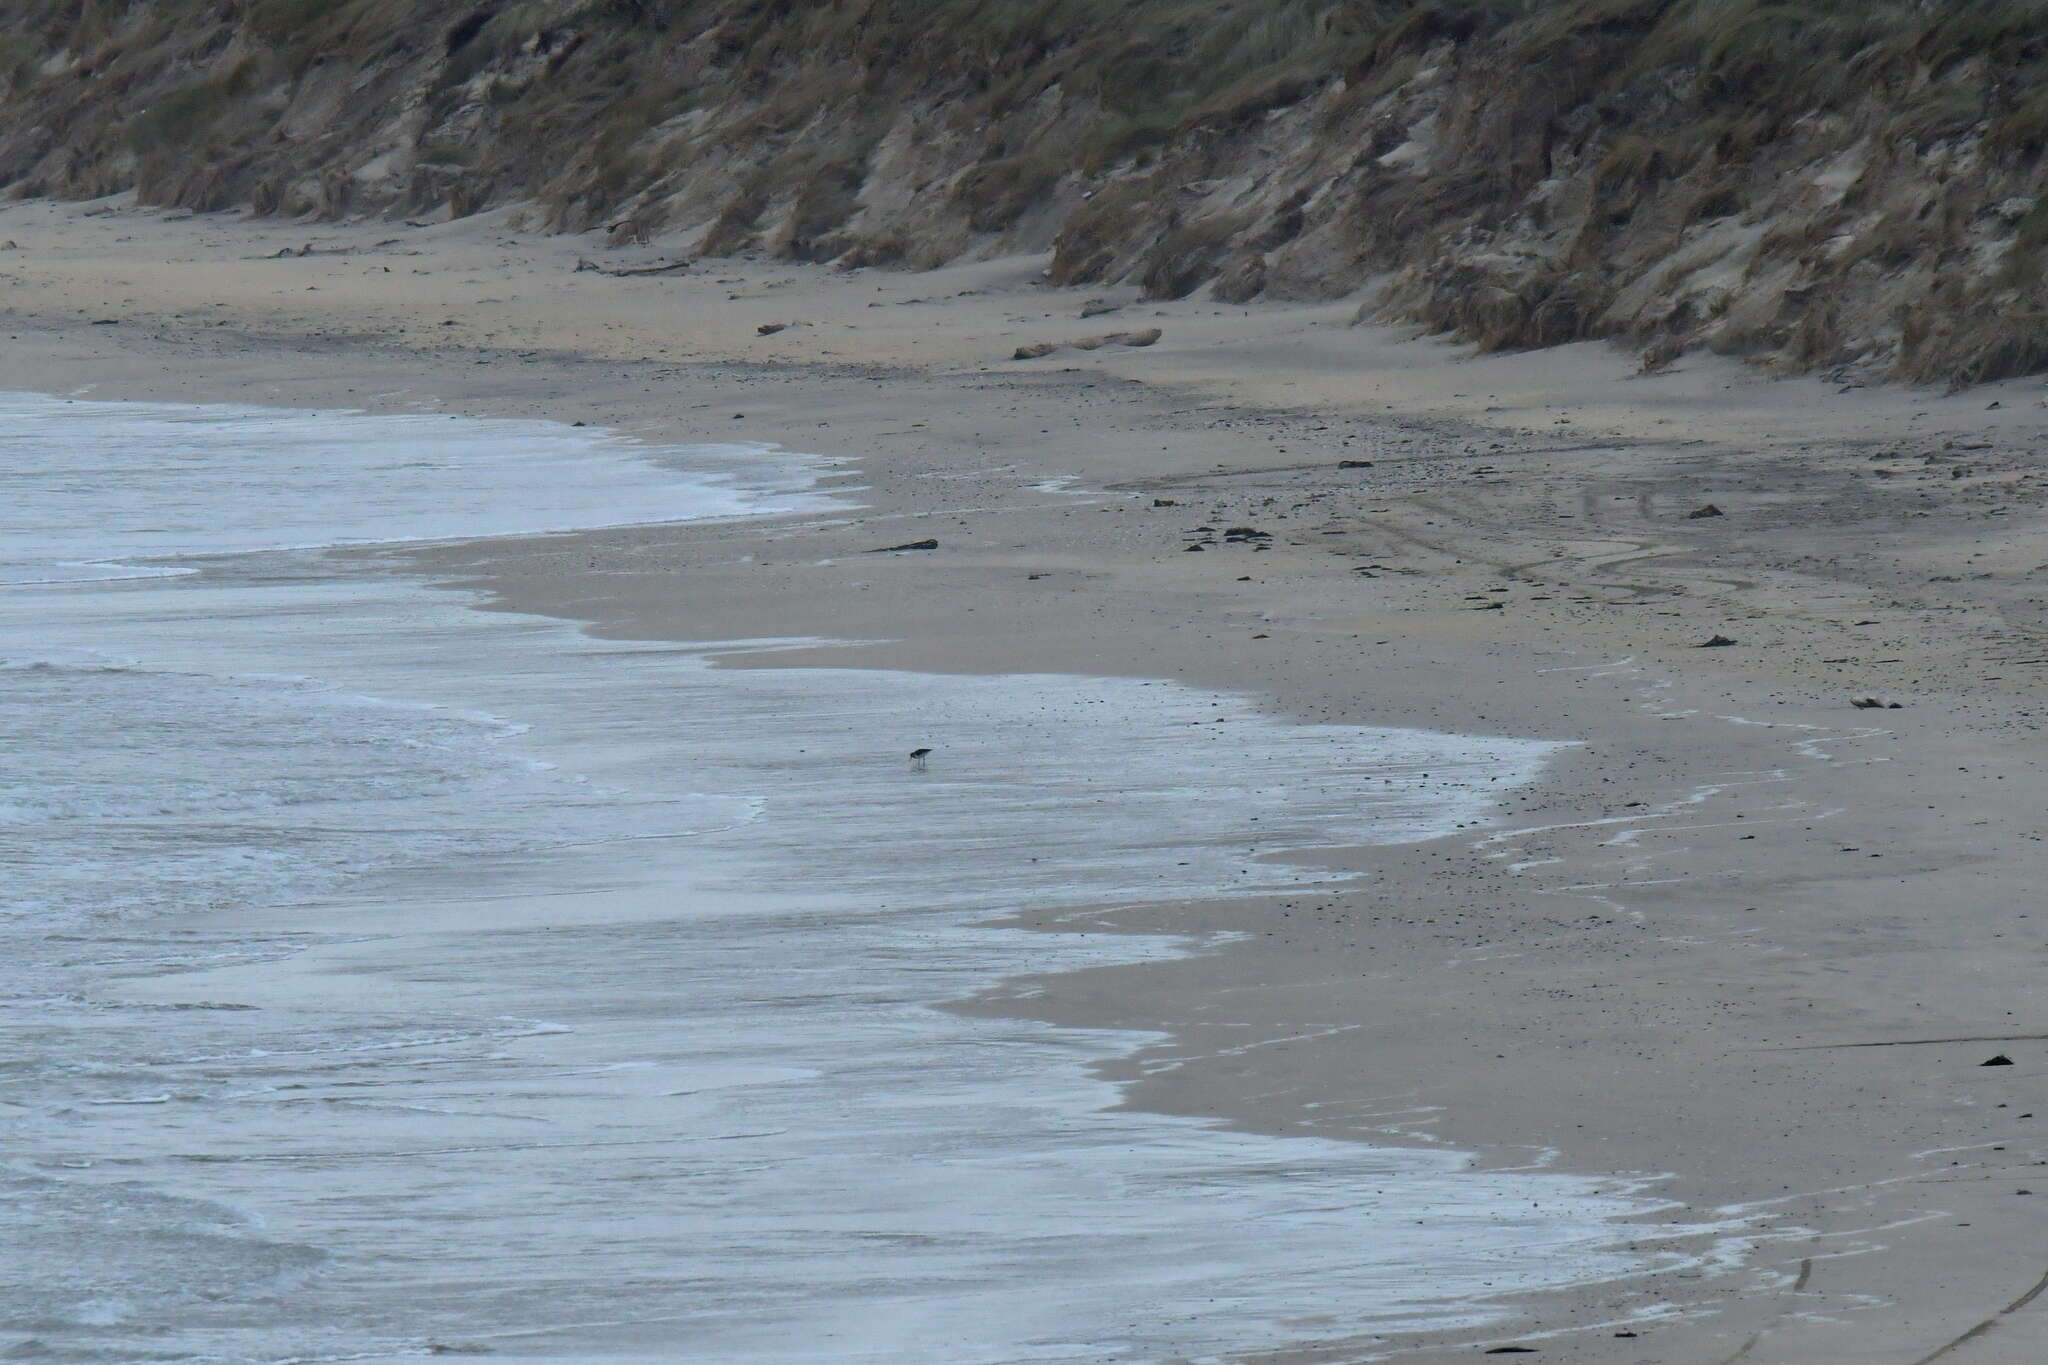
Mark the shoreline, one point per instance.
(1669, 1019)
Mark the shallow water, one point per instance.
(384, 973)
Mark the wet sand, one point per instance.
(1748, 936)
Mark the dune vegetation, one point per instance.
(1815, 185)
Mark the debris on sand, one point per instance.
(1141, 338)
(932, 544)
(2000, 1060)
(1718, 642)
(769, 329)
(1354, 464)
(584, 264)
(1709, 510)
(1039, 349)
(1874, 704)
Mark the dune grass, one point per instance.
(763, 120)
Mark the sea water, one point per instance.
(384, 977)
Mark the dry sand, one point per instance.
(1749, 937)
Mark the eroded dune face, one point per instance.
(1827, 187)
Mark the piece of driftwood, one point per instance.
(584, 263)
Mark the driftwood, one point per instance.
(1045, 348)
(285, 253)
(583, 263)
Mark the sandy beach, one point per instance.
(1753, 938)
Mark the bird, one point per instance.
(917, 758)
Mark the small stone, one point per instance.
(2000, 1060)
(1708, 511)
(1718, 642)
(1194, 550)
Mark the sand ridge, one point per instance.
(1751, 937)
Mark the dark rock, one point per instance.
(1164, 502)
(910, 545)
(769, 329)
(1512, 1351)
(2000, 1060)
(1354, 464)
(1708, 511)
(1718, 642)
(1867, 704)
(1193, 550)
(1246, 533)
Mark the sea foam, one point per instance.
(442, 975)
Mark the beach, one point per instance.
(1740, 950)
